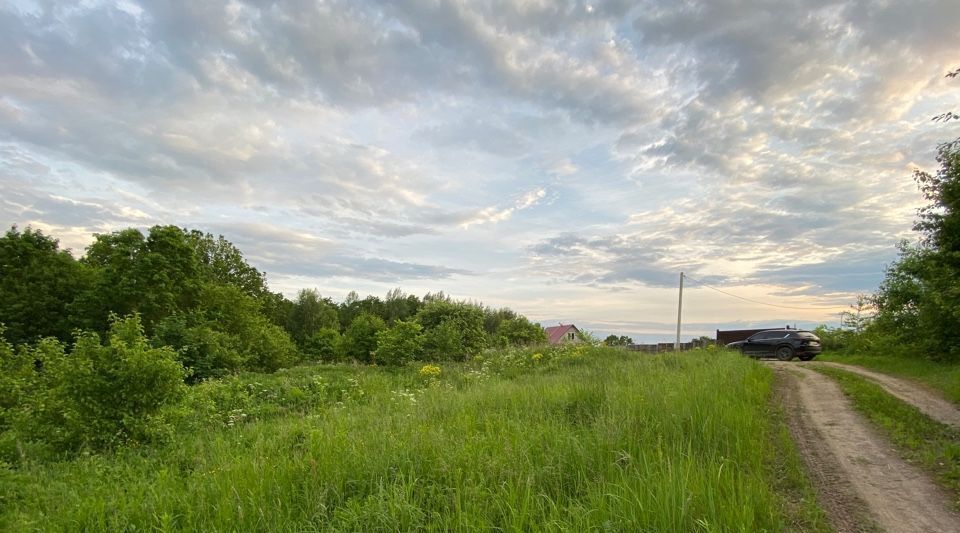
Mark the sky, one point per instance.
(565, 159)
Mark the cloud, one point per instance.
(286, 251)
(605, 144)
(492, 215)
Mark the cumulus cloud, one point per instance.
(745, 142)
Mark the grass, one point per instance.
(943, 377)
(584, 439)
(920, 439)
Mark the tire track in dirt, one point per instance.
(856, 471)
(929, 403)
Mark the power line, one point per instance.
(702, 284)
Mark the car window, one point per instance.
(807, 335)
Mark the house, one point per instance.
(563, 334)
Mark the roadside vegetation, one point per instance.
(911, 325)
(572, 438)
(919, 439)
(944, 377)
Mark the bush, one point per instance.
(96, 396)
(399, 344)
(453, 331)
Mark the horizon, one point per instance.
(564, 160)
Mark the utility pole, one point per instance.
(676, 345)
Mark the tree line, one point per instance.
(196, 294)
(99, 351)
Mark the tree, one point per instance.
(919, 299)
(399, 344)
(519, 331)
(353, 306)
(38, 284)
(360, 338)
(160, 274)
(453, 330)
(324, 345)
(399, 306)
(226, 333)
(859, 316)
(309, 314)
(154, 276)
(221, 262)
(613, 340)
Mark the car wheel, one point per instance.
(807, 357)
(784, 353)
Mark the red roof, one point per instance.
(556, 333)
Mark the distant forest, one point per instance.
(195, 293)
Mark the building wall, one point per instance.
(567, 337)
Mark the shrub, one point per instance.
(519, 331)
(99, 395)
(453, 331)
(399, 344)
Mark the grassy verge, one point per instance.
(585, 440)
(920, 439)
(943, 377)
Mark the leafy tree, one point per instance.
(324, 345)
(277, 308)
(444, 342)
(399, 344)
(154, 276)
(399, 306)
(919, 300)
(353, 307)
(613, 340)
(309, 314)
(453, 330)
(161, 273)
(38, 284)
(221, 262)
(360, 338)
(226, 333)
(519, 331)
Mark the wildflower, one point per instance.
(536, 356)
(430, 371)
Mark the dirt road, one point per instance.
(861, 482)
(929, 403)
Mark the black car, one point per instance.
(783, 344)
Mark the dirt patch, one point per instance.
(928, 402)
(837, 497)
(861, 482)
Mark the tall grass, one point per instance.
(600, 440)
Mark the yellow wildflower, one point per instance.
(430, 371)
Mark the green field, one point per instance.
(571, 439)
